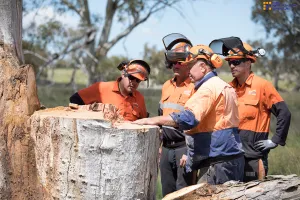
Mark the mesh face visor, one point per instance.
(173, 56)
(174, 38)
(224, 45)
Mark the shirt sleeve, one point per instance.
(90, 94)
(196, 108)
(279, 109)
(75, 98)
(271, 95)
(201, 103)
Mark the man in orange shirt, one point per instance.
(121, 93)
(257, 100)
(210, 117)
(175, 93)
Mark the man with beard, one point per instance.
(121, 93)
(175, 93)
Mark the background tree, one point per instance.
(18, 100)
(272, 64)
(129, 13)
(283, 26)
(156, 59)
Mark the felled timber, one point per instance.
(274, 187)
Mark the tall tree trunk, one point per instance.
(276, 79)
(18, 100)
(72, 81)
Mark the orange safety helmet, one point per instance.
(138, 68)
(204, 52)
(240, 54)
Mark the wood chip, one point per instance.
(73, 105)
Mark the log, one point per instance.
(274, 187)
(79, 155)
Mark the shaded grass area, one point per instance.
(286, 160)
(63, 75)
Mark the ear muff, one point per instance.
(122, 65)
(213, 58)
(216, 61)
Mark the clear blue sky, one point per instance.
(204, 21)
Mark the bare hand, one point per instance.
(144, 121)
(183, 161)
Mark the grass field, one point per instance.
(282, 160)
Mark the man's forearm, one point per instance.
(165, 121)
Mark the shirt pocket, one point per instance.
(165, 98)
(136, 111)
(183, 99)
(250, 109)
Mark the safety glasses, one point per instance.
(236, 62)
(134, 78)
(178, 63)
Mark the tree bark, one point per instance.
(81, 156)
(275, 187)
(11, 27)
(18, 100)
(276, 80)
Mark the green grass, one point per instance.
(158, 189)
(63, 75)
(286, 160)
(282, 160)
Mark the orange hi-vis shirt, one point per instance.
(130, 107)
(214, 105)
(210, 120)
(257, 99)
(173, 98)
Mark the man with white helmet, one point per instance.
(210, 118)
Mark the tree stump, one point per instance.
(274, 187)
(81, 156)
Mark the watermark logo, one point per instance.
(267, 5)
(276, 5)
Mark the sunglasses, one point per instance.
(178, 63)
(235, 62)
(134, 78)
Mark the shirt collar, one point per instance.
(205, 78)
(249, 79)
(186, 81)
(234, 82)
(116, 86)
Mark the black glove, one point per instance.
(264, 145)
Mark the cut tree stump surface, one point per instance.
(79, 155)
